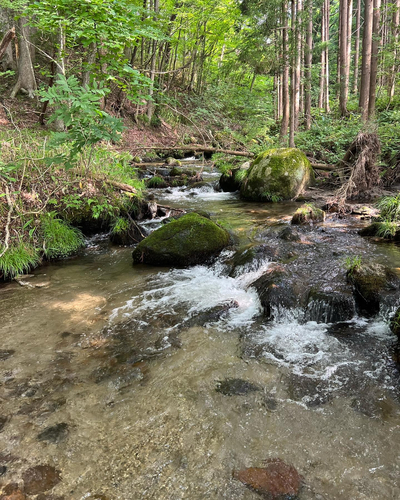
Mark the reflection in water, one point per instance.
(113, 376)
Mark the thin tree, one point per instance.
(366, 59)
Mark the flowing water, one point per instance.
(163, 388)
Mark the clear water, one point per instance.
(130, 357)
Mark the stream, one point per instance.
(134, 382)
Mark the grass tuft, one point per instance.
(18, 259)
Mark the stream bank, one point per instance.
(142, 382)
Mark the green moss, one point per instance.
(189, 240)
(308, 213)
(156, 182)
(18, 259)
(282, 172)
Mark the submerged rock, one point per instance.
(275, 481)
(55, 433)
(373, 285)
(307, 214)
(277, 174)
(40, 479)
(6, 353)
(191, 239)
(3, 421)
(12, 492)
(332, 307)
(235, 387)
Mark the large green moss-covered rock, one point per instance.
(191, 239)
(277, 174)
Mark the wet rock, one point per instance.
(189, 240)
(311, 391)
(228, 182)
(332, 307)
(3, 421)
(373, 284)
(175, 172)
(251, 257)
(277, 174)
(211, 315)
(6, 353)
(3, 470)
(12, 492)
(289, 234)
(129, 234)
(270, 403)
(275, 481)
(40, 479)
(235, 387)
(276, 291)
(55, 433)
(45, 496)
(308, 213)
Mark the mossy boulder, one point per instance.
(307, 214)
(191, 239)
(373, 285)
(277, 174)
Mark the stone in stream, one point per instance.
(189, 240)
(40, 479)
(3, 421)
(235, 387)
(289, 234)
(277, 174)
(3, 470)
(6, 353)
(55, 433)
(275, 481)
(12, 492)
(308, 213)
(373, 286)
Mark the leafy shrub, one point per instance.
(120, 225)
(389, 207)
(387, 229)
(352, 263)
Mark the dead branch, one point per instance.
(7, 228)
(204, 149)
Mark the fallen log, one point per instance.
(203, 149)
(323, 166)
(6, 41)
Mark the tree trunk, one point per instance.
(285, 76)
(327, 38)
(395, 36)
(308, 63)
(366, 59)
(344, 61)
(357, 47)
(26, 77)
(150, 109)
(376, 40)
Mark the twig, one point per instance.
(7, 228)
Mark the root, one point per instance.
(359, 171)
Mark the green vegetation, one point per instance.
(352, 264)
(389, 207)
(59, 238)
(19, 258)
(120, 225)
(156, 182)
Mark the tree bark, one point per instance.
(285, 76)
(26, 77)
(308, 63)
(366, 59)
(376, 41)
(8, 37)
(357, 47)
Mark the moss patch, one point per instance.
(282, 172)
(307, 214)
(189, 240)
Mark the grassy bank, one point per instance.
(46, 209)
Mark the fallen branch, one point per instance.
(7, 229)
(204, 149)
(6, 41)
(120, 185)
